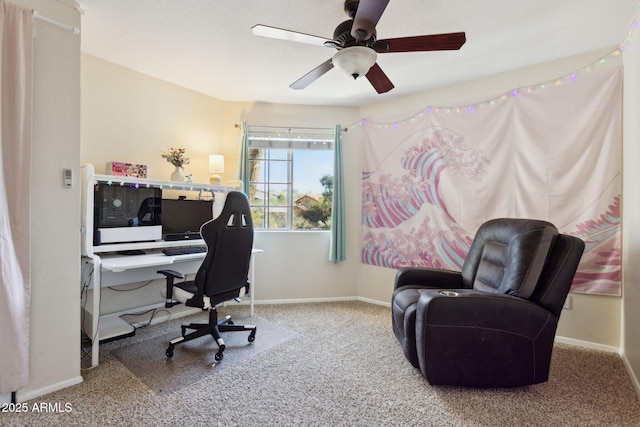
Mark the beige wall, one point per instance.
(114, 110)
(130, 117)
(54, 354)
(118, 126)
(592, 319)
(631, 207)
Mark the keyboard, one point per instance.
(184, 250)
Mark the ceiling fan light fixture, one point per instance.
(354, 61)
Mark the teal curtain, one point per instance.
(244, 157)
(337, 247)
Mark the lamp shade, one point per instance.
(354, 61)
(216, 163)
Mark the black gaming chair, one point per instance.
(223, 275)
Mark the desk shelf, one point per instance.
(113, 326)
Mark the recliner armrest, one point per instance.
(469, 308)
(481, 339)
(428, 277)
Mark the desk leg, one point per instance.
(95, 318)
(253, 283)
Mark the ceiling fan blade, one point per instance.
(312, 75)
(294, 36)
(450, 41)
(379, 79)
(367, 17)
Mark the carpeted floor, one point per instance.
(342, 368)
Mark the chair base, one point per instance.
(213, 328)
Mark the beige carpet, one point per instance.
(343, 368)
(194, 360)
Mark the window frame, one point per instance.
(266, 140)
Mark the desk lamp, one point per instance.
(216, 166)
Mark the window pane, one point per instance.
(279, 171)
(309, 166)
(278, 195)
(257, 215)
(278, 154)
(257, 170)
(257, 193)
(277, 218)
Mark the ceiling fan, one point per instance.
(357, 45)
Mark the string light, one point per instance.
(471, 108)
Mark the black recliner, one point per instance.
(493, 324)
(223, 275)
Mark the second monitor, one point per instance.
(182, 219)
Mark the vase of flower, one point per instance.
(177, 175)
(176, 156)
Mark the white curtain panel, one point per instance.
(550, 151)
(16, 44)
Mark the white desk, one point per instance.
(108, 268)
(111, 268)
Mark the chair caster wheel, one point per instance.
(219, 356)
(169, 352)
(252, 336)
(230, 322)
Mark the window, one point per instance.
(290, 178)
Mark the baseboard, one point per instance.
(632, 375)
(304, 300)
(328, 299)
(376, 302)
(587, 344)
(32, 394)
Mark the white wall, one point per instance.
(593, 319)
(54, 352)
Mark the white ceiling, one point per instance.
(207, 45)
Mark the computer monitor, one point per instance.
(126, 213)
(182, 218)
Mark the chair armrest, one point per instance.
(428, 277)
(171, 275)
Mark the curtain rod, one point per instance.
(237, 125)
(37, 15)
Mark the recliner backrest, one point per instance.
(229, 239)
(558, 273)
(508, 255)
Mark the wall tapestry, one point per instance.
(548, 152)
